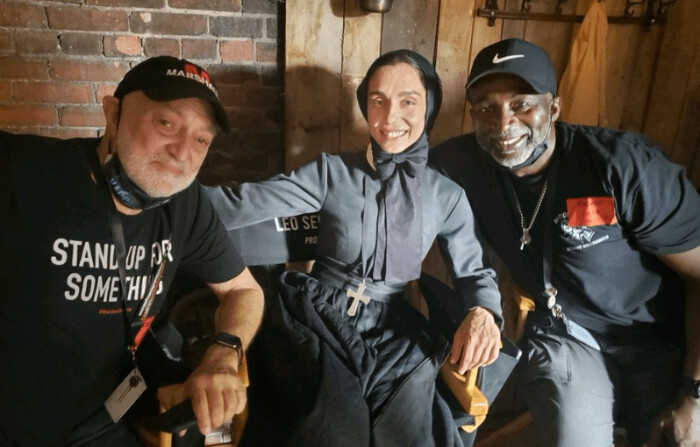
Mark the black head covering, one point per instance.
(398, 253)
(430, 78)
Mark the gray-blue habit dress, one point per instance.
(320, 376)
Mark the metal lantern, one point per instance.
(375, 5)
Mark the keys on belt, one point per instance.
(550, 293)
(572, 328)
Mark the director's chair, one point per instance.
(266, 248)
(270, 247)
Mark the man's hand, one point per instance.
(477, 340)
(214, 388)
(679, 425)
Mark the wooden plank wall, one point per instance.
(653, 77)
(313, 63)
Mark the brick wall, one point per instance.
(58, 59)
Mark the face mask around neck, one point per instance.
(537, 151)
(125, 190)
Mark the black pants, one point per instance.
(100, 431)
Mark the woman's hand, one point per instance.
(477, 340)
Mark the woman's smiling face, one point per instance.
(396, 107)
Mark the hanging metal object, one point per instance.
(375, 5)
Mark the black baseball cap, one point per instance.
(519, 58)
(166, 78)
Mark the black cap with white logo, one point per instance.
(519, 58)
(166, 78)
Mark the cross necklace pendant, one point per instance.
(525, 238)
(356, 296)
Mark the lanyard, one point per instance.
(115, 223)
(549, 292)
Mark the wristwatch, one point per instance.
(230, 341)
(692, 386)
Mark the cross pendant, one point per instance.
(525, 239)
(356, 296)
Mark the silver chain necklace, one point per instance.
(525, 238)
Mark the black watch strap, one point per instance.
(691, 386)
(230, 341)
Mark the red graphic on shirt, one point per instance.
(591, 211)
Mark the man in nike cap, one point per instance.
(517, 57)
(602, 231)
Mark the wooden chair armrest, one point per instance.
(466, 392)
(464, 388)
(525, 305)
(239, 420)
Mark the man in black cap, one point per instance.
(91, 234)
(603, 231)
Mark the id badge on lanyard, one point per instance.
(131, 388)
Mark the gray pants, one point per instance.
(577, 395)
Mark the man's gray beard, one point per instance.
(508, 162)
(522, 161)
(511, 163)
(181, 186)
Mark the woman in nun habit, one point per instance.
(329, 368)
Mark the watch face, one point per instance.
(227, 339)
(230, 341)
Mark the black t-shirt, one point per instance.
(62, 341)
(617, 202)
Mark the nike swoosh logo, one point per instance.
(498, 60)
